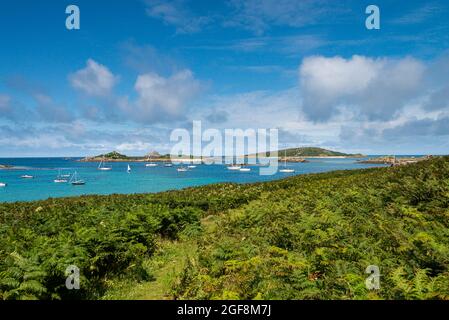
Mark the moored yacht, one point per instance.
(102, 166)
(60, 178)
(76, 181)
(285, 169)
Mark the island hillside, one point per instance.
(292, 154)
(310, 152)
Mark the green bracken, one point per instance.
(304, 237)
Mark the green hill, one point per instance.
(313, 152)
(304, 237)
(316, 152)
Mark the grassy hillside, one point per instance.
(305, 237)
(313, 152)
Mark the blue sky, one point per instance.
(138, 69)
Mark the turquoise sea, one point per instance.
(141, 179)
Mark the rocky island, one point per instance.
(115, 156)
(290, 155)
(301, 154)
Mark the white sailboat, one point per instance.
(102, 166)
(151, 164)
(285, 169)
(59, 178)
(76, 181)
(182, 169)
(129, 169)
(234, 166)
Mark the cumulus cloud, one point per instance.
(49, 111)
(95, 79)
(420, 127)
(162, 98)
(373, 89)
(12, 110)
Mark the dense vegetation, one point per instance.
(305, 237)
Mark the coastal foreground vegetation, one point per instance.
(304, 237)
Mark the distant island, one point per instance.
(300, 154)
(290, 155)
(115, 156)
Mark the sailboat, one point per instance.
(182, 169)
(59, 178)
(151, 164)
(129, 169)
(286, 170)
(76, 181)
(102, 166)
(234, 166)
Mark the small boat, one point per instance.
(76, 181)
(191, 167)
(26, 176)
(168, 165)
(234, 167)
(245, 170)
(285, 169)
(59, 178)
(2, 185)
(151, 165)
(129, 169)
(102, 166)
(182, 169)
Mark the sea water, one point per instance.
(141, 179)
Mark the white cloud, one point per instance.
(95, 79)
(259, 16)
(177, 14)
(370, 88)
(160, 98)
